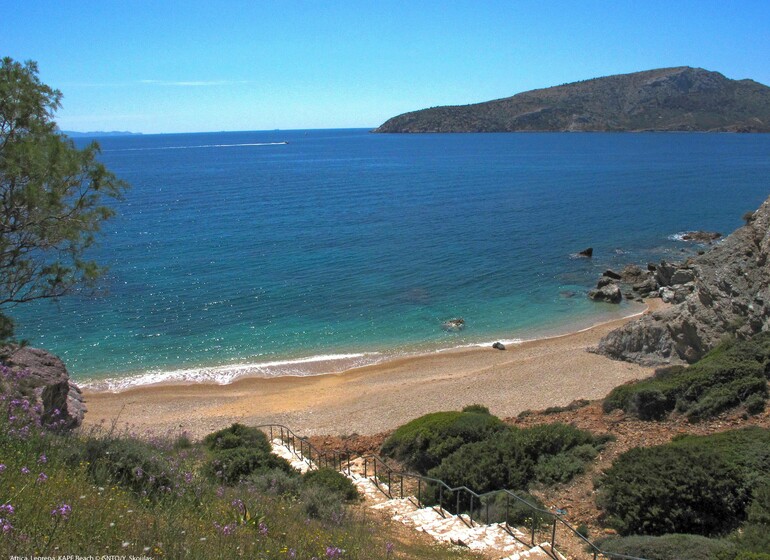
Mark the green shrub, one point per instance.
(520, 512)
(670, 547)
(331, 480)
(695, 484)
(232, 465)
(495, 463)
(732, 374)
(556, 469)
(277, 482)
(552, 439)
(424, 442)
(751, 556)
(477, 408)
(322, 503)
(131, 463)
(237, 435)
(755, 536)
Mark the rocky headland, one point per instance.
(665, 99)
(723, 292)
(41, 379)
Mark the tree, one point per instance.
(52, 196)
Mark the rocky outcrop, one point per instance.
(44, 378)
(725, 291)
(701, 236)
(606, 291)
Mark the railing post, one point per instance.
(402, 486)
(441, 499)
(271, 433)
(457, 507)
(348, 463)
(376, 480)
(366, 463)
(507, 506)
(487, 511)
(390, 493)
(533, 529)
(553, 534)
(419, 492)
(470, 512)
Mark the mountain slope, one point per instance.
(666, 99)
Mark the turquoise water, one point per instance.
(300, 252)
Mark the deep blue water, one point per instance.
(233, 249)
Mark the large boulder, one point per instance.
(44, 377)
(609, 293)
(726, 292)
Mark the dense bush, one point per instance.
(332, 480)
(129, 462)
(671, 547)
(238, 452)
(513, 458)
(230, 466)
(732, 374)
(237, 435)
(424, 442)
(695, 484)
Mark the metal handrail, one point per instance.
(323, 458)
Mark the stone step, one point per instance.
(438, 523)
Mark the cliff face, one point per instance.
(667, 99)
(730, 295)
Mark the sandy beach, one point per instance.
(372, 399)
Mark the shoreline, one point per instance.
(327, 364)
(366, 400)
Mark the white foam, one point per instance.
(224, 374)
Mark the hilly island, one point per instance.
(666, 99)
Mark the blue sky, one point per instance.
(157, 66)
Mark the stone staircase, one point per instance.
(494, 541)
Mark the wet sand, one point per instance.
(368, 400)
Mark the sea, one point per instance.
(306, 252)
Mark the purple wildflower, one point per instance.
(7, 509)
(2, 467)
(43, 459)
(263, 529)
(188, 477)
(138, 472)
(226, 530)
(292, 553)
(389, 548)
(63, 511)
(42, 477)
(333, 552)
(7, 527)
(24, 470)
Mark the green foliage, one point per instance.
(277, 482)
(332, 480)
(732, 374)
(755, 536)
(51, 194)
(424, 442)
(129, 462)
(520, 512)
(670, 547)
(237, 435)
(514, 458)
(478, 408)
(695, 484)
